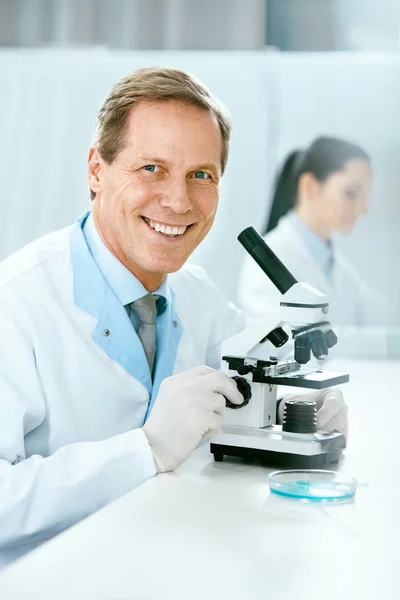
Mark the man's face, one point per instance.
(157, 201)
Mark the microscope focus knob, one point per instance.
(244, 388)
(300, 416)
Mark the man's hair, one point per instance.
(153, 84)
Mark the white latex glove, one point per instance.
(189, 406)
(331, 409)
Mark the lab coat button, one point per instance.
(106, 332)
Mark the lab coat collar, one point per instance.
(125, 285)
(321, 251)
(114, 332)
(299, 248)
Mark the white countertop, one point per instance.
(213, 530)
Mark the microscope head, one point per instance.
(303, 308)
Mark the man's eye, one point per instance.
(151, 168)
(201, 175)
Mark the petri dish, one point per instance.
(312, 484)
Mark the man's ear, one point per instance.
(95, 165)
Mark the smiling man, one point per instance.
(93, 332)
(109, 341)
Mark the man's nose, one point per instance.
(176, 196)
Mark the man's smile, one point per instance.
(172, 231)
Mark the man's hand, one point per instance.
(331, 409)
(189, 406)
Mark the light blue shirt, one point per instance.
(95, 279)
(321, 251)
(124, 284)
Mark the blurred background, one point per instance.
(288, 70)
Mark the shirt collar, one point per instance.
(320, 250)
(124, 284)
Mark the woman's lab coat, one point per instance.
(75, 387)
(353, 306)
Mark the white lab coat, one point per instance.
(357, 312)
(75, 387)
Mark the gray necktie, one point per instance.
(146, 310)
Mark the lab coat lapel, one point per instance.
(114, 332)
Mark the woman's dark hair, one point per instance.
(325, 156)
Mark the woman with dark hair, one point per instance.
(327, 185)
(319, 191)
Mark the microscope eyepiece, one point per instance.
(280, 276)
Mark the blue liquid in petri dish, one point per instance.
(312, 485)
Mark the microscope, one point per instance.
(250, 429)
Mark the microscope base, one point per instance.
(278, 448)
(291, 461)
